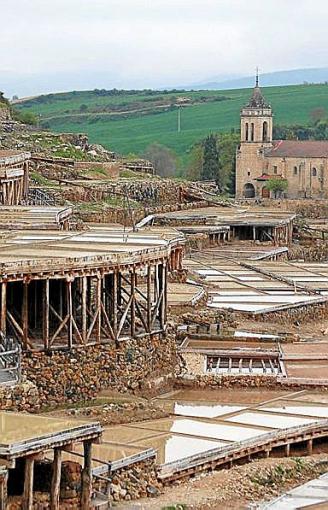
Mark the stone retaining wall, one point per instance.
(213, 381)
(144, 366)
(301, 314)
(138, 480)
(117, 215)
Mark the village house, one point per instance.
(303, 164)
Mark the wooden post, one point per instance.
(4, 307)
(86, 476)
(309, 446)
(84, 308)
(46, 314)
(149, 297)
(114, 290)
(25, 315)
(287, 450)
(28, 484)
(3, 491)
(133, 302)
(69, 313)
(98, 307)
(55, 481)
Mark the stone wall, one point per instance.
(22, 397)
(138, 480)
(298, 315)
(142, 366)
(213, 381)
(117, 215)
(193, 363)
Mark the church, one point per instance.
(302, 164)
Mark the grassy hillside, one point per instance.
(129, 121)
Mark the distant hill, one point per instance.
(278, 78)
(129, 121)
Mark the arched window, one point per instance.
(295, 170)
(314, 172)
(246, 132)
(252, 132)
(265, 132)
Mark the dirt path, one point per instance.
(236, 488)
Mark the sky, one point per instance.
(53, 45)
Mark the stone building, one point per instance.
(303, 164)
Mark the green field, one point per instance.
(129, 122)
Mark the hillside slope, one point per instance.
(128, 121)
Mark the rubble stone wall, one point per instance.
(301, 314)
(193, 363)
(213, 381)
(138, 480)
(143, 366)
(116, 215)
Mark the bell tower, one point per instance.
(255, 138)
(256, 118)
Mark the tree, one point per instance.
(211, 162)
(163, 159)
(195, 164)
(277, 186)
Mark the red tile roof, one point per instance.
(297, 149)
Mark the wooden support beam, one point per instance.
(55, 481)
(4, 308)
(287, 450)
(98, 307)
(133, 302)
(309, 446)
(86, 476)
(115, 310)
(45, 305)
(69, 313)
(84, 308)
(3, 492)
(28, 484)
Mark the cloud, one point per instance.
(157, 42)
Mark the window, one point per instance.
(252, 132)
(265, 132)
(246, 132)
(295, 170)
(314, 172)
(275, 169)
(248, 173)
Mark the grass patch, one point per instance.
(206, 113)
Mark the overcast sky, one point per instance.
(49, 45)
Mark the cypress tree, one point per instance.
(211, 162)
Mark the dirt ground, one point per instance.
(238, 488)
